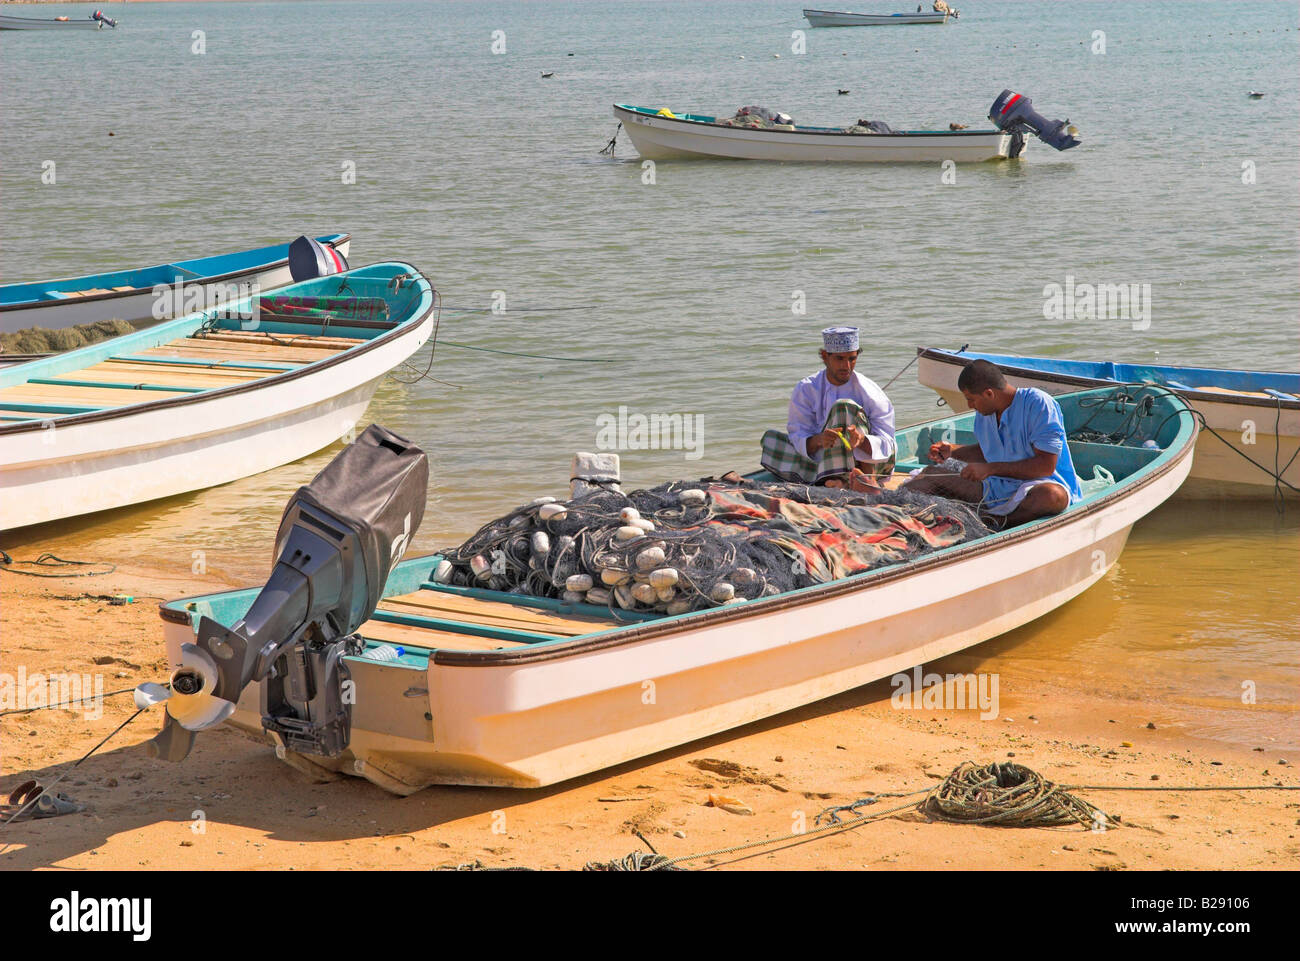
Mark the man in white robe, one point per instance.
(840, 429)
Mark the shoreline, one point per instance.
(256, 812)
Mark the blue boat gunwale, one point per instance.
(699, 120)
(416, 572)
(333, 240)
(180, 327)
(1084, 382)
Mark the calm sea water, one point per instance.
(486, 176)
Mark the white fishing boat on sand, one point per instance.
(487, 687)
(206, 398)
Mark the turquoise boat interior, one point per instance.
(424, 618)
(1177, 378)
(703, 118)
(237, 344)
(119, 281)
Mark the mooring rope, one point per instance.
(50, 560)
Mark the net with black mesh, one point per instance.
(688, 545)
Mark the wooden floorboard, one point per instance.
(431, 639)
(501, 614)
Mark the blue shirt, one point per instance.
(1034, 420)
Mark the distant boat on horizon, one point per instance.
(96, 21)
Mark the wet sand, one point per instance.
(256, 812)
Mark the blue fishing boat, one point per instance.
(1249, 448)
(147, 295)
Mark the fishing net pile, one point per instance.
(689, 545)
(758, 118)
(39, 340)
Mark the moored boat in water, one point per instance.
(658, 133)
(96, 21)
(146, 295)
(844, 18)
(206, 398)
(481, 686)
(1253, 416)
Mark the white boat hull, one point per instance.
(78, 466)
(833, 18)
(137, 307)
(1219, 472)
(535, 721)
(663, 138)
(33, 23)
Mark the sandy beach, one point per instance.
(233, 805)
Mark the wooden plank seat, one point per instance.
(169, 374)
(485, 613)
(425, 638)
(63, 395)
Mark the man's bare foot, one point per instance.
(863, 483)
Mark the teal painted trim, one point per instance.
(543, 603)
(413, 300)
(21, 419)
(101, 383)
(457, 627)
(195, 362)
(411, 660)
(50, 408)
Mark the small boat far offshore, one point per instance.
(204, 399)
(844, 18)
(96, 21)
(145, 295)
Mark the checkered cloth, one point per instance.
(790, 464)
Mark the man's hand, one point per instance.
(854, 435)
(940, 452)
(976, 472)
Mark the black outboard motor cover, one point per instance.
(377, 486)
(310, 258)
(1014, 113)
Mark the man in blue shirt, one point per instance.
(1019, 466)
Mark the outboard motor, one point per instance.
(97, 15)
(310, 258)
(339, 538)
(1015, 113)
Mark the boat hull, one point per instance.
(137, 306)
(833, 18)
(532, 718)
(664, 138)
(33, 23)
(1219, 472)
(81, 464)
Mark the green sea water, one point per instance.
(235, 124)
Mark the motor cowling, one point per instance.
(1015, 113)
